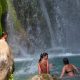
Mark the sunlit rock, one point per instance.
(6, 61)
(43, 77)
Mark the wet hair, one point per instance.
(65, 61)
(43, 55)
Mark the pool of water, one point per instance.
(25, 74)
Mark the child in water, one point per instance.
(68, 68)
(43, 65)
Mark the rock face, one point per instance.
(6, 60)
(43, 77)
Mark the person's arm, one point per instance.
(39, 69)
(75, 68)
(62, 73)
(48, 67)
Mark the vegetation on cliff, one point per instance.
(3, 10)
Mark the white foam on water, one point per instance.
(20, 72)
(22, 59)
(62, 55)
(26, 58)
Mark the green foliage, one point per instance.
(0, 19)
(7, 5)
(3, 9)
(12, 12)
(4, 5)
(11, 77)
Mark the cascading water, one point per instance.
(44, 10)
(46, 25)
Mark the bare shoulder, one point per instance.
(72, 65)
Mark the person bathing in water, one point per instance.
(68, 68)
(43, 68)
(43, 65)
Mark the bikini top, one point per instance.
(72, 70)
(69, 71)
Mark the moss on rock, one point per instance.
(4, 6)
(16, 22)
(0, 19)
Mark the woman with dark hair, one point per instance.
(68, 68)
(43, 68)
(43, 65)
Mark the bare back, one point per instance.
(69, 67)
(43, 66)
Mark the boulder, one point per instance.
(43, 77)
(6, 60)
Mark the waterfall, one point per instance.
(44, 10)
(18, 45)
(14, 43)
(78, 3)
(60, 21)
(61, 31)
(39, 28)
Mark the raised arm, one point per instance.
(75, 68)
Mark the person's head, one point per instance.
(43, 56)
(4, 35)
(65, 61)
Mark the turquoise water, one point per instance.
(55, 70)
